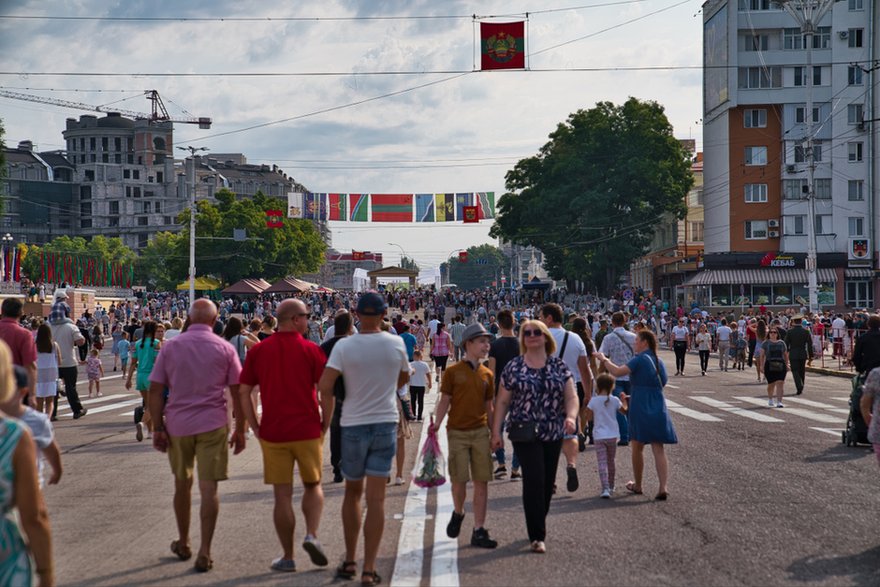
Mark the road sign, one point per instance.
(627, 294)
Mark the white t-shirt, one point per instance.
(838, 328)
(573, 350)
(605, 416)
(680, 333)
(420, 372)
(331, 332)
(370, 364)
(723, 333)
(432, 327)
(67, 335)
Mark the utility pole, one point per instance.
(192, 221)
(808, 13)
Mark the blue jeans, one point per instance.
(501, 456)
(622, 421)
(368, 450)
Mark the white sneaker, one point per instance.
(779, 405)
(398, 481)
(606, 493)
(770, 403)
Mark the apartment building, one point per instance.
(754, 126)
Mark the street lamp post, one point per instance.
(192, 221)
(402, 253)
(7, 241)
(449, 265)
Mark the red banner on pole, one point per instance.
(462, 257)
(502, 45)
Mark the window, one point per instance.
(160, 177)
(756, 229)
(854, 75)
(148, 194)
(792, 39)
(85, 192)
(113, 222)
(167, 220)
(117, 143)
(129, 159)
(92, 144)
(114, 207)
(856, 189)
(856, 226)
(105, 157)
(143, 220)
(822, 189)
(756, 156)
(800, 114)
(136, 192)
(748, 5)
(158, 207)
(755, 43)
(823, 224)
(756, 193)
(143, 240)
(126, 174)
(85, 223)
(85, 208)
(856, 4)
(855, 113)
(800, 76)
(82, 144)
(117, 158)
(794, 225)
(755, 118)
(822, 38)
(854, 152)
(147, 207)
(859, 294)
(855, 38)
(90, 174)
(752, 78)
(128, 191)
(794, 189)
(800, 152)
(135, 174)
(129, 144)
(696, 231)
(104, 143)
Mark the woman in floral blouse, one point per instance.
(538, 389)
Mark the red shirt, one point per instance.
(20, 341)
(287, 367)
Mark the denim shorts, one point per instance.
(368, 449)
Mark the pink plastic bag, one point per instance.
(430, 469)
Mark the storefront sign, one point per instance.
(777, 260)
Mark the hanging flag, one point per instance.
(294, 205)
(392, 207)
(274, 218)
(444, 207)
(358, 207)
(463, 257)
(470, 214)
(315, 206)
(486, 203)
(462, 200)
(502, 45)
(337, 207)
(424, 207)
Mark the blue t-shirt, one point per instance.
(123, 346)
(410, 342)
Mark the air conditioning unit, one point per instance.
(773, 233)
(789, 168)
(843, 34)
(773, 223)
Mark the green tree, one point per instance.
(407, 263)
(592, 196)
(483, 266)
(162, 262)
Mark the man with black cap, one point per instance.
(800, 348)
(374, 365)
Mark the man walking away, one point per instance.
(191, 425)
(800, 349)
(287, 366)
(723, 334)
(68, 337)
(619, 346)
(456, 332)
(374, 365)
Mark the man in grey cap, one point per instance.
(800, 349)
(467, 393)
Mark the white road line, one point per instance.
(97, 400)
(444, 562)
(711, 401)
(86, 381)
(679, 409)
(672, 386)
(827, 430)
(796, 411)
(838, 398)
(117, 406)
(813, 404)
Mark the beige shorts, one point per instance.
(280, 457)
(210, 449)
(470, 455)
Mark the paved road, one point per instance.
(759, 496)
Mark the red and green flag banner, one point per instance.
(470, 214)
(83, 270)
(392, 207)
(274, 218)
(358, 207)
(337, 207)
(502, 45)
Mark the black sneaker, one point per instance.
(582, 443)
(573, 482)
(453, 529)
(80, 414)
(500, 472)
(338, 478)
(480, 538)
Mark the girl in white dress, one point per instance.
(48, 359)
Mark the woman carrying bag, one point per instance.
(538, 391)
(649, 421)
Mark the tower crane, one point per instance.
(158, 114)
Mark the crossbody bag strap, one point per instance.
(564, 343)
(623, 340)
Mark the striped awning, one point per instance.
(859, 273)
(768, 276)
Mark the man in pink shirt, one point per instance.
(196, 366)
(20, 340)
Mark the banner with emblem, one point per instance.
(315, 206)
(337, 206)
(502, 45)
(859, 249)
(444, 207)
(294, 205)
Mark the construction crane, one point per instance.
(158, 114)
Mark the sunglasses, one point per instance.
(529, 332)
(774, 332)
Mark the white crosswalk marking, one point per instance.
(827, 430)
(710, 401)
(796, 411)
(111, 407)
(839, 398)
(814, 404)
(679, 409)
(98, 400)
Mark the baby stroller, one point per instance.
(856, 430)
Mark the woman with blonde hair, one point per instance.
(20, 489)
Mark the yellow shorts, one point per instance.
(280, 457)
(469, 455)
(210, 449)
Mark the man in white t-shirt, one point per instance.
(570, 348)
(723, 334)
(838, 331)
(432, 325)
(375, 366)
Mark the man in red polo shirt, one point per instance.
(20, 340)
(287, 367)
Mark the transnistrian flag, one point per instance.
(424, 207)
(358, 207)
(502, 45)
(444, 207)
(337, 208)
(486, 203)
(392, 207)
(274, 218)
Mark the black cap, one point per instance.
(371, 304)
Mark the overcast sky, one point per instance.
(460, 134)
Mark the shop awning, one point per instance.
(769, 276)
(859, 273)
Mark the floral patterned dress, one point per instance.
(538, 395)
(15, 562)
(419, 332)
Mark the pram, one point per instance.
(856, 430)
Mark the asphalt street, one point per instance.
(758, 496)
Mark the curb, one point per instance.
(831, 372)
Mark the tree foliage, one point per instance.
(473, 273)
(408, 263)
(592, 196)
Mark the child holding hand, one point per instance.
(602, 409)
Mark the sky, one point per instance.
(333, 126)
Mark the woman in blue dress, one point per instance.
(649, 421)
